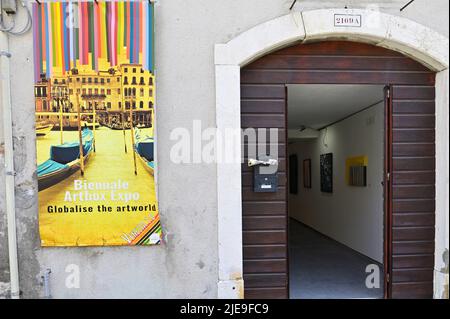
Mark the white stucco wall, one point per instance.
(433, 14)
(187, 264)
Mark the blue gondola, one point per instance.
(144, 150)
(64, 160)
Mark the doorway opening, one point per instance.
(410, 160)
(336, 147)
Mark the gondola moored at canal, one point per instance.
(64, 160)
(43, 128)
(145, 150)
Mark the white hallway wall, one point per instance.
(350, 215)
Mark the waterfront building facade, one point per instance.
(112, 91)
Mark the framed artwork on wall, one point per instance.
(326, 173)
(358, 176)
(293, 174)
(307, 173)
(356, 170)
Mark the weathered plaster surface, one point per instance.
(433, 14)
(442, 185)
(410, 38)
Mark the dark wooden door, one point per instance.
(411, 183)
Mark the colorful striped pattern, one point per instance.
(73, 33)
(153, 227)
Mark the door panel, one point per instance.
(265, 214)
(387, 191)
(413, 197)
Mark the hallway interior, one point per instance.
(322, 268)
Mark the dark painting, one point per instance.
(293, 174)
(307, 173)
(326, 173)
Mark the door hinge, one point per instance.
(388, 277)
(388, 176)
(388, 93)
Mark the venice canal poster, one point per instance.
(94, 101)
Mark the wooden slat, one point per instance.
(263, 120)
(265, 251)
(412, 290)
(263, 208)
(266, 293)
(414, 163)
(405, 219)
(266, 135)
(263, 222)
(413, 247)
(413, 149)
(412, 261)
(413, 205)
(298, 62)
(262, 106)
(413, 93)
(337, 48)
(414, 191)
(414, 107)
(265, 266)
(413, 135)
(264, 149)
(262, 91)
(413, 177)
(412, 233)
(329, 77)
(263, 237)
(414, 275)
(249, 195)
(413, 121)
(265, 280)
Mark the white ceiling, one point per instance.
(318, 105)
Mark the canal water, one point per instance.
(109, 165)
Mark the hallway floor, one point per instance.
(321, 268)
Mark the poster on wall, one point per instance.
(94, 109)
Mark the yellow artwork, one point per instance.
(354, 161)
